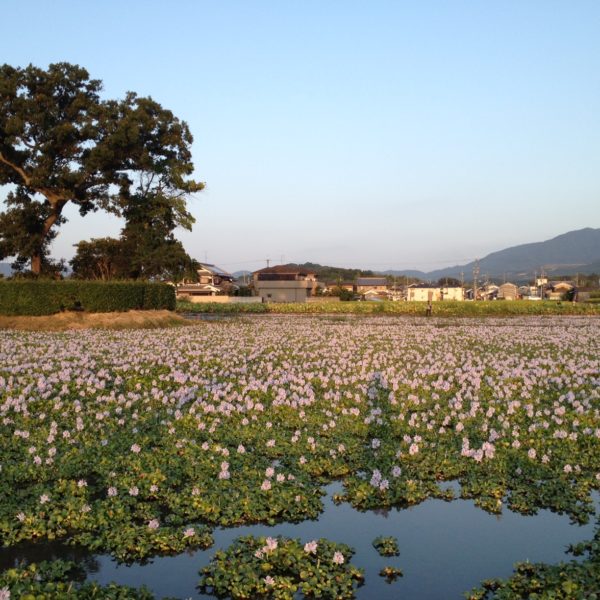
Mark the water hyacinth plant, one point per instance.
(281, 568)
(386, 546)
(140, 442)
(61, 579)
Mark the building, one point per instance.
(284, 283)
(508, 291)
(423, 292)
(371, 284)
(559, 290)
(212, 281)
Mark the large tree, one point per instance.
(60, 143)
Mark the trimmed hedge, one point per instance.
(36, 298)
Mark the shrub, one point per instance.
(33, 298)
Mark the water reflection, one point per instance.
(446, 548)
(26, 553)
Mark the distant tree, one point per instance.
(101, 258)
(448, 282)
(60, 143)
(151, 216)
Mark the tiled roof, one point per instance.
(371, 281)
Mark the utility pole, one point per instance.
(475, 276)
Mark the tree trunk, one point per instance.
(36, 263)
(36, 259)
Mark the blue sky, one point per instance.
(362, 134)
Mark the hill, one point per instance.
(575, 251)
(567, 254)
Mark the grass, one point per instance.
(443, 309)
(134, 319)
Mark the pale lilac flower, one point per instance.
(338, 558)
(311, 547)
(44, 498)
(112, 491)
(269, 580)
(4, 593)
(134, 490)
(189, 532)
(270, 545)
(135, 448)
(21, 517)
(153, 524)
(266, 485)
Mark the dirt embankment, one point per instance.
(134, 319)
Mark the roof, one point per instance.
(214, 269)
(371, 281)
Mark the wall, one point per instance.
(285, 291)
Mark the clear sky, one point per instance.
(374, 134)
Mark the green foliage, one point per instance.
(60, 143)
(386, 546)
(281, 568)
(165, 431)
(338, 274)
(573, 580)
(221, 308)
(49, 297)
(343, 294)
(61, 579)
(441, 309)
(391, 574)
(100, 258)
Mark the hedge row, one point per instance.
(49, 297)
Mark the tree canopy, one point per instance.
(60, 142)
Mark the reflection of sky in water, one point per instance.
(446, 548)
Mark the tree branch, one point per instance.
(19, 170)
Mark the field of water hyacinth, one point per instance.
(139, 443)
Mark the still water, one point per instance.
(446, 548)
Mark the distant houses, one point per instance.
(294, 283)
